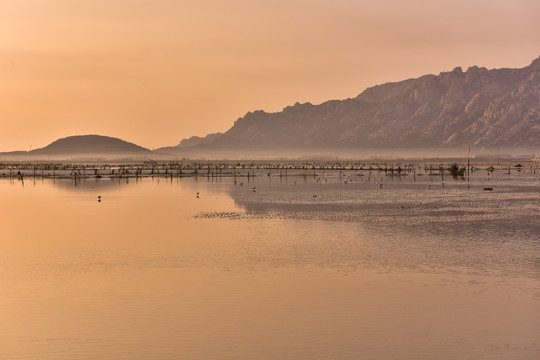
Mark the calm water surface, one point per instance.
(297, 268)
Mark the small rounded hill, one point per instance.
(90, 144)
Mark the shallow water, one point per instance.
(329, 267)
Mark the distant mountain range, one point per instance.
(191, 142)
(478, 107)
(483, 108)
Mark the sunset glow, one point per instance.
(154, 72)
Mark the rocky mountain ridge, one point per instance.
(478, 107)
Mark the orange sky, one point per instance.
(154, 72)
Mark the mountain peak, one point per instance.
(486, 108)
(535, 65)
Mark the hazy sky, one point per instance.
(156, 71)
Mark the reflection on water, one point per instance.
(447, 224)
(92, 185)
(267, 268)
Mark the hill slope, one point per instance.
(89, 144)
(189, 143)
(480, 107)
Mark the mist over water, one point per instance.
(329, 266)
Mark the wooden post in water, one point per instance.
(469, 163)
